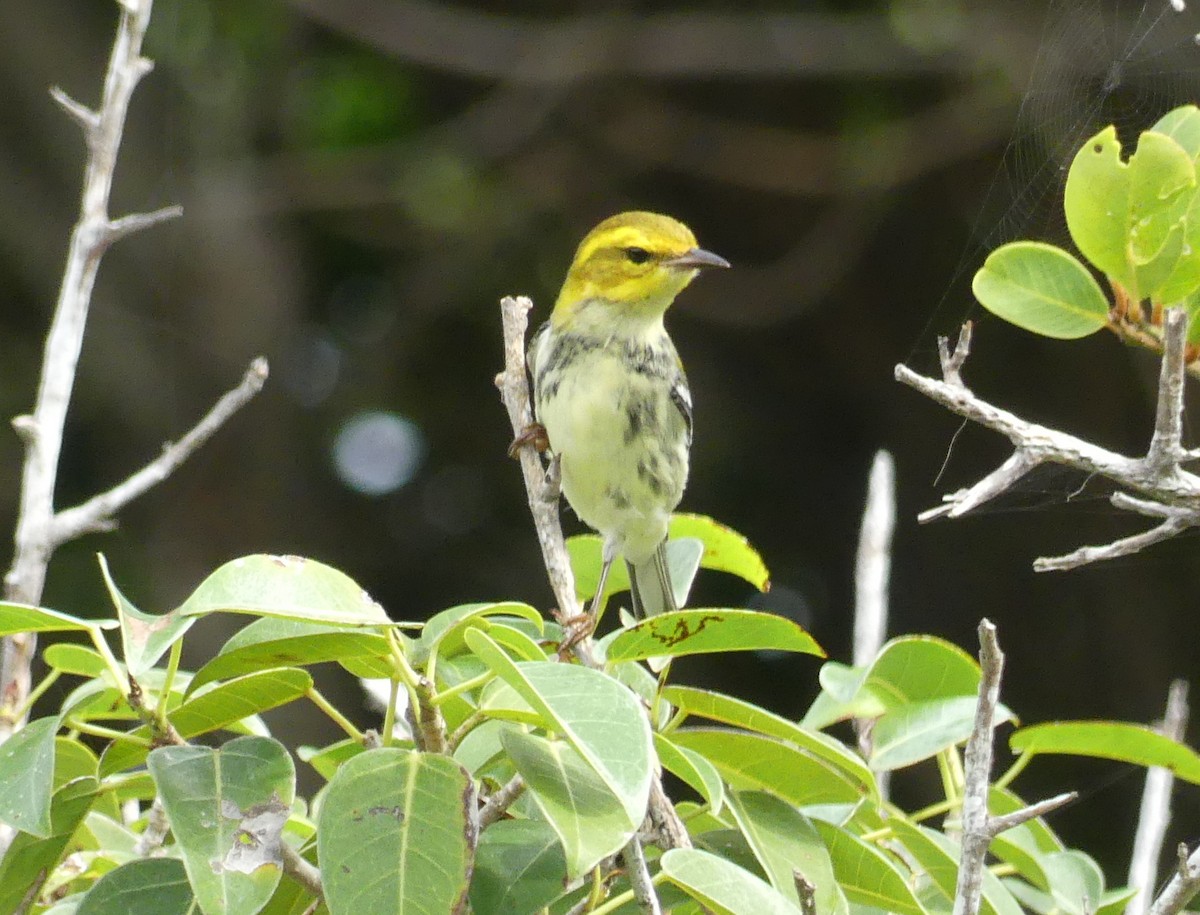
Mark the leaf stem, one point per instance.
(338, 718)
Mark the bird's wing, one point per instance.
(681, 396)
(533, 357)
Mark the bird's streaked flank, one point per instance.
(611, 394)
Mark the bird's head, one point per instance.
(637, 262)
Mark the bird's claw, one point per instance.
(534, 434)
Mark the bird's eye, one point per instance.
(637, 255)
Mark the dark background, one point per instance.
(363, 179)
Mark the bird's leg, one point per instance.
(578, 628)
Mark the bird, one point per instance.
(611, 400)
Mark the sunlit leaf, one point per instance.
(1042, 289)
(1133, 743)
(285, 586)
(145, 637)
(687, 632)
(866, 875)
(27, 777)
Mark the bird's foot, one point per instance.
(534, 434)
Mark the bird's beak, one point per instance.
(695, 259)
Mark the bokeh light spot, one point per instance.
(377, 452)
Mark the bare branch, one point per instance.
(1182, 887)
(976, 827)
(807, 893)
(97, 512)
(639, 877)
(34, 541)
(1155, 814)
(1126, 546)
(514, 390)
(82, 115)
(499, 802)
(999, 824)
(1156, 485)
(872, 570)
(136, 222)
(1166, 449)
(874, 563)
(301, 870)
(952, 362)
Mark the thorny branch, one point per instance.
(514, 390)
(39, 530)
(1157, 484)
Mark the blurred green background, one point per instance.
(363, 179)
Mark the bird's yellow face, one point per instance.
(636, 261)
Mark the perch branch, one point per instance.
(1155, 812)
(514, 390)
(1157, 484)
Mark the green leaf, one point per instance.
(24, 618)
(221, 707)
(327, 761)
(684, 557)
(27, 777)
(751, 761)
(784, 840)
(600, 717)
(921, 730)
(74, 659)
(227, 808)
(269, 643)
(397, 833)
(589, 818)
(938, 856)
(285, 586)
(519, 868)
(145, 637)
(1117, 740)
(916, 668)
(1075, 880)
(1042, 289)
(725, 550)
(1182, 125)
(1127, 217)
(721, 886)
(687, 632)
(866, 875)
(693, 769)
(738, 712)
(30, 858)
(444, 631)
(158, 885)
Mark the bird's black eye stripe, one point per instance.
(637, 255)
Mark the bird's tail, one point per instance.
(650, 584)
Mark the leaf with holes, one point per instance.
(397, 833)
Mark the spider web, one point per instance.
(1099, 62)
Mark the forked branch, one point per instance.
(1156, 484)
